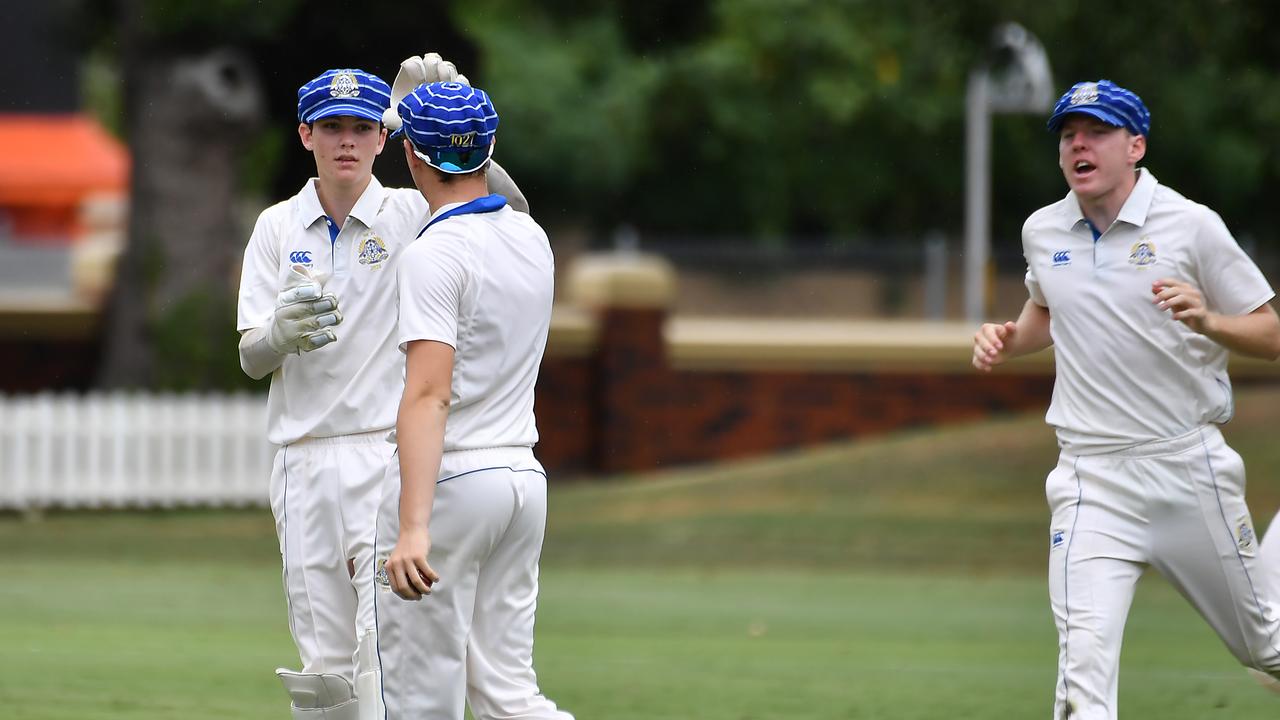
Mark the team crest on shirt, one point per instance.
(1143, 252)
(372, 251)
(344, 85)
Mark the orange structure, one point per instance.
(52, 164)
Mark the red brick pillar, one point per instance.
(630, 296)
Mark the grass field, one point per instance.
(895, 578)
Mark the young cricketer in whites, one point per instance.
(1142, 293)
(462, 519)
(317, 312)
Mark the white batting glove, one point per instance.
(415, 71)
(304, 317)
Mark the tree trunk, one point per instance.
(189, 120)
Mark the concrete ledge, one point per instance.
(46, 316)
(779, 344)
(827, 345)
(620, 280)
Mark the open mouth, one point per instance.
(1083, 168)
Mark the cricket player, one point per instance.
(317, 313)
(1142, 293)
(463, 512)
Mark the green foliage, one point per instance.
(182, 23)
(261, 161)
(100, 90)
(194, 341)
(574, 104)
(786, 118)
(783, 118)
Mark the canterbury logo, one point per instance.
(300, 257)
(1062, 257)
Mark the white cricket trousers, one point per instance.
(471, 639)
(1177, 505)
(324, 495)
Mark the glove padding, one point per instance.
(304, 317)
(415, 71)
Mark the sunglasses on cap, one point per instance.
(454, 161)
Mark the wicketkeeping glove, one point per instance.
(304, 317)
(415, 71)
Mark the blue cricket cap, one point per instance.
(451, 125)
(344, 91)
(1106, 101)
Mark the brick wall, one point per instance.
(627, 387)
(625, 406)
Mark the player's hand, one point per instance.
(407, 569)
(304, 317)
(415, 71)
(1185, 302)
(989, 343)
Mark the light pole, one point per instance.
(1013, 78)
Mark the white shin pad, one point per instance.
(319, 696)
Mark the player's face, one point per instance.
(1097, 158)
(344, 146)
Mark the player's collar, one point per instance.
(486, 204)
(309, 208)
(365, 210)
(1138, 204)
(1135, 208)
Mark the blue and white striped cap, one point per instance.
(344, 91)
(1106, 101)
(451, 125)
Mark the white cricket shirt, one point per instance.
(482, 283)
(1127, 372)
(352, 385)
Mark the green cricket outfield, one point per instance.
(893, 578)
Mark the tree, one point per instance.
(189, 107)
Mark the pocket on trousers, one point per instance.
(1061, 488)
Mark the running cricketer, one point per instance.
(319, 268)
(464, 506)
(1142, 293)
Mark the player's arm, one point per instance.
(1255, 334)
(424, 408)
(501, 183)
(996, 343)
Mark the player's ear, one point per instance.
(1137, 148)
(382, 139)
(304, 132)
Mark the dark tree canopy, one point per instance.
(786, 121)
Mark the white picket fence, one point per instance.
(133, 450)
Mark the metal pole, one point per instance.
(977, 195)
